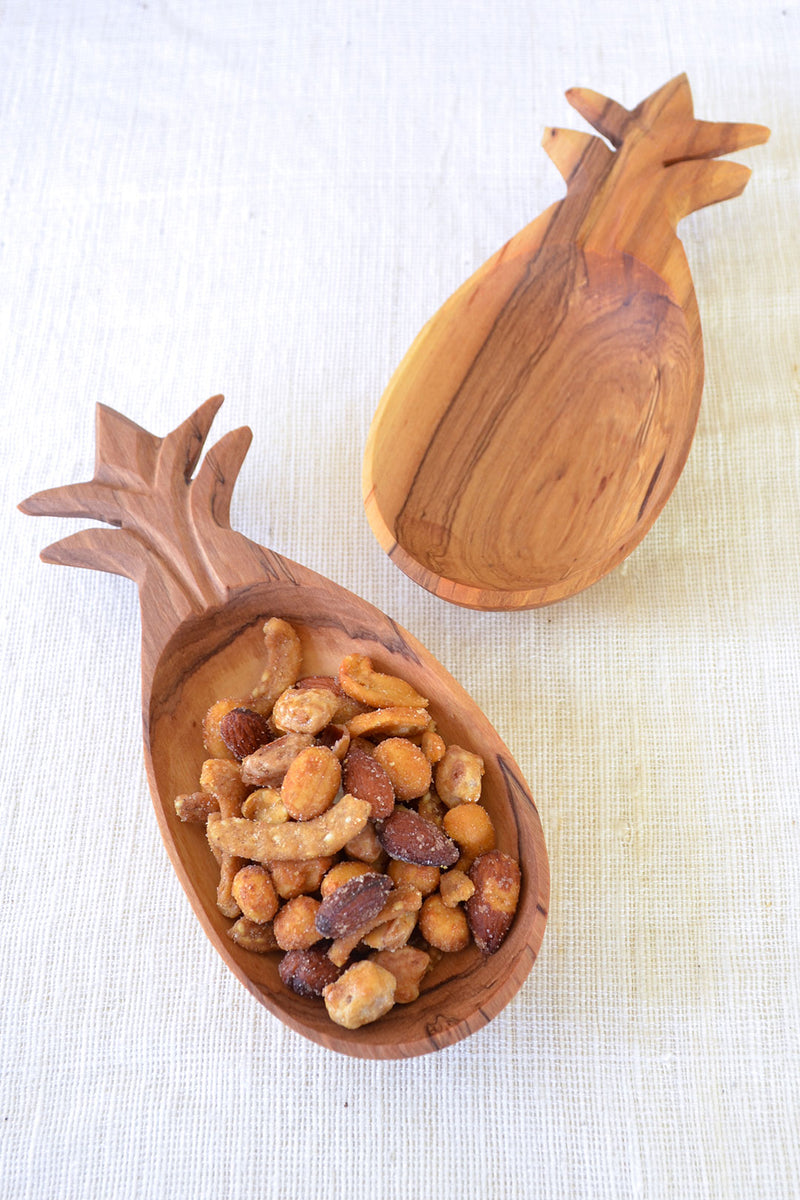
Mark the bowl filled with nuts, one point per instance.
(354, 836)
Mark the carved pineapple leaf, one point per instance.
(166, 519)
(658, 145)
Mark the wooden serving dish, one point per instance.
(205, 591)
(540, 420)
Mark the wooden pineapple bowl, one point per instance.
(540, 420)
(205, 592)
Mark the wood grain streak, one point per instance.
(539, 422)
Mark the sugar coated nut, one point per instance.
(350, 906)
(445, 928)
(365, 777)
(254, 892)
(409, 966)
(458, 776)
(295, 840)
(311, 783)
(422, 877)
(265, 804)
(307, 972)
(404, 899)
(391, 935)
(212, 737)
(278, 761)
(258, 939)
(362, 994)
(222, 779)
(359, 679)
(244, 731)
(195, 807)
(471, 828)
(284, 659)
(407, 767)
(490, 910)
(408, 836)
(339, 873)
(294, 926)
(455, 887)
(336, 738)
(299, 878)
(268, 766)
(304, 710)
(433, 746)
(431, 808)
(365, 847)
(389, 722)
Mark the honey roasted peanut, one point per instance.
(295, 924)
(292, 878)
(455, 887)
(471, 828)
(254, 892)
(426, 879)
(258, 939)
(407, 767)
(311, 783)
(445, 928)
(265, 804)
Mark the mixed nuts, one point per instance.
(349, 837)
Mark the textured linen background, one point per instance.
(269, 200)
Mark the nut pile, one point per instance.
(349, 837)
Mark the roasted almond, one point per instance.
(311, 783)
(490, 910)
(244, 731)
(352, 904)
(307, 972)
(407, 836)
(363, 776)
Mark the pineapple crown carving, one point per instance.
(169, 526)
(662, 130)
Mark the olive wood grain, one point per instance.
(205, 591)
(540, 420)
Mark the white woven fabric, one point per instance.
(268, 200)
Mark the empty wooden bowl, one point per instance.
(205, 592)
(540, 420)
